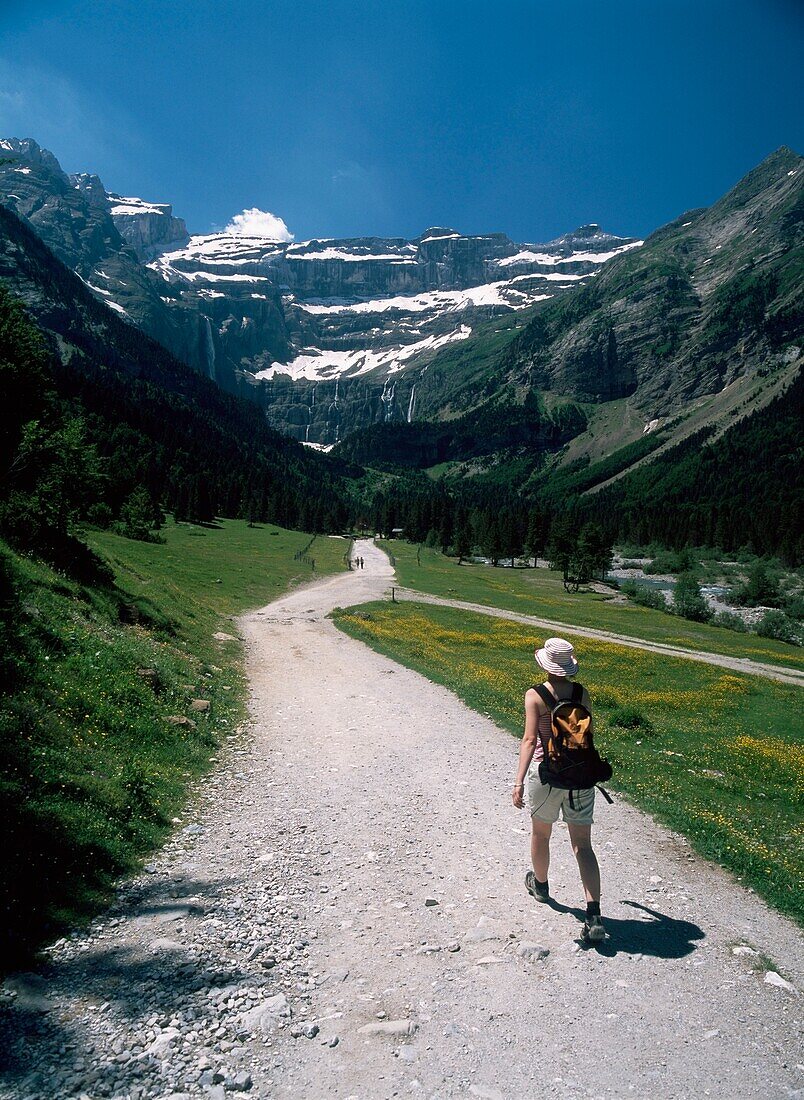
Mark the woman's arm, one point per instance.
(528, 746)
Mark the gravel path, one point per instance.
(739, 664)
(341, 914)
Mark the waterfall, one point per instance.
(209, 348)
(412, 402)
(387, 399)
(334, 406)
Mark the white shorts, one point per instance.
(545, 803)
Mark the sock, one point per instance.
(593, 908)
(544, 884)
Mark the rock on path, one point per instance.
(282, 944)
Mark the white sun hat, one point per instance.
(557, 657)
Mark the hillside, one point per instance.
(152, 419)
(710, 298)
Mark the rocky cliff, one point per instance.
(147, 227)
(713, 296)
(105, 239)
(328, 335)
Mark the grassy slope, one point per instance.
(715, 755)
(540, 592)
(91, 771)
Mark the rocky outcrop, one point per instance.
(148, 228)
(102, 237)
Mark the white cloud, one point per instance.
(259, 223)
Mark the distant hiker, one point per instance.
(361, 563)
(557, 658)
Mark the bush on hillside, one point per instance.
(672, 561)
(644, 596)
(688, 602)
(775, 624)
(729, 621)
(761, 589)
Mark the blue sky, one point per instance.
(358, 118)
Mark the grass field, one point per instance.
(540, 592)
(223, 569)
(92, 770)
(715, 755)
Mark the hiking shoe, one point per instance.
(593, 930)
(536, 889)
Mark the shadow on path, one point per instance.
(656, 934)
(124, 982)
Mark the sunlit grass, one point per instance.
(719, 756)
(91, 769)
(540, 592)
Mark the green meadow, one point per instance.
(540, 592)
(715, 755)
(99, 740)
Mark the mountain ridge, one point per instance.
(317, 331)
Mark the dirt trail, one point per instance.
(739, 664)
(356, 862)
(404, 793)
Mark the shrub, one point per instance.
(672, 561)
(775, 624)
(644, 596)
(630, 718)
(688, 601)
(793, 605)
(729, 621)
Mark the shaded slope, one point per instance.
(185, 434)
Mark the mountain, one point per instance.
(710, 297)
(154, 421)
(702, 325)
(327, 335)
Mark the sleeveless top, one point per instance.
(543, 726)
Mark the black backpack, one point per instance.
(570, 760)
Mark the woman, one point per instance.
(557, 659)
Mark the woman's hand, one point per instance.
(518, 795)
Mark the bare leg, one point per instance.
(581, 839)
(540, 847)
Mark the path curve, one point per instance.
(341, 914)
(739, 664)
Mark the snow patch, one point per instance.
(316, 365)
(349, 257)
(488, 294)
(128, 207)
(550, 260)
